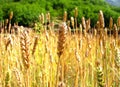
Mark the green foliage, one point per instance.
(1, 14)
(26, 12)
(23, 14)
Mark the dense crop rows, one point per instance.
(83, 57)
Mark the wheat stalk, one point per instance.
(115, 31)
(88, 24)
(48, 17)
(76, 14)
(8, 42)
(111, 23)
(100, 82)
(18, 77)
(117, 57)
(35, 45)
(72, 22)
(101, 19)
(9, 24)
(42, 18)
(65, 16)
(7, 79)
(61, 38)
(118, 22)
(83, 23)
(24, 42)
(61, 45)
(77, 56)
(117, 63)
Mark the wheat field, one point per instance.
(78, 57)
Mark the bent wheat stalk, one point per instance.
(61, 44)
(24, 42)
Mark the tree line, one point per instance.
(26, 12)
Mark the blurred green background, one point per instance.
(26, 12)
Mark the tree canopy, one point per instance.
(27, 11)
